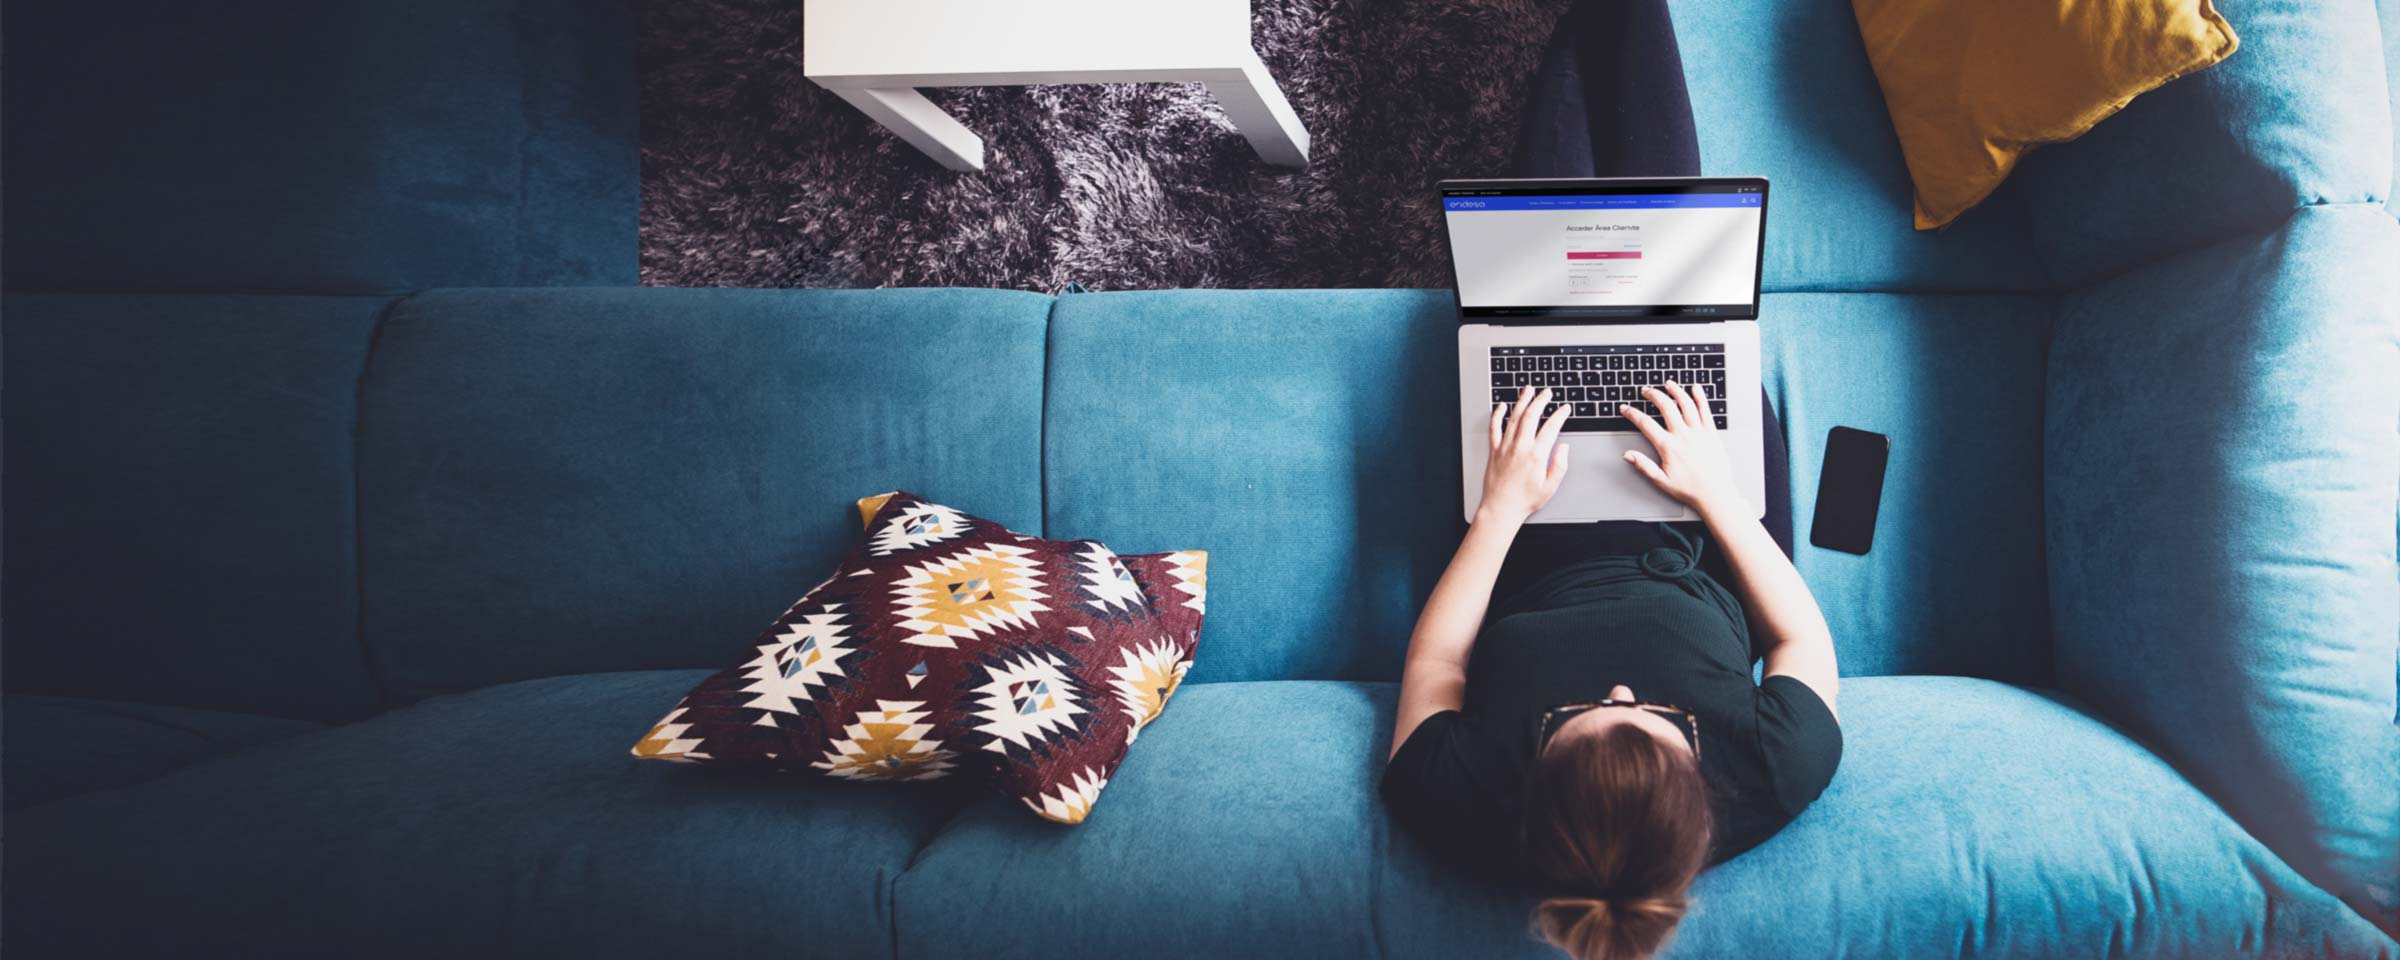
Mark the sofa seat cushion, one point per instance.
(1969, 817)
(1328, 520)
(1956, 582)
(503, 821)
(54, 747)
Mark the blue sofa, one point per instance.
(331, 617)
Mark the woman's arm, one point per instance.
(1691, 467)
(1524, 469)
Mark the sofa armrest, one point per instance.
(2220, 464)
(2297, 116)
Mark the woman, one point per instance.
(1597, 727)
(1577, 705)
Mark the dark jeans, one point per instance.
(1609, 101)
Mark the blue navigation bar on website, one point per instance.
(1617, 201)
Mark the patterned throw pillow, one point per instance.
(945, 642)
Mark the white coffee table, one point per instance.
(874, 53)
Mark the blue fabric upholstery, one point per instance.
(1969, 818)
(57, 747)
(1245, 817)
(1784, 91)
(2295, 117)
(507, 821)
(179, 500)
(318, 147)
(1955, 582)
(2178, 333)
(568, 481)
(2220, 479)
(1221, 421)
(1328, 520)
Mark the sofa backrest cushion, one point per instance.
(2296, 117)
(2220, 482)
(571, 481)
(1305, 439)
(179, 500)
(319, 147)
(1784, 91)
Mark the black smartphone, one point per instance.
(1850, 490)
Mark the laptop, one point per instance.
(1596, 288)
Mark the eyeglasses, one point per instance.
(1557, 717)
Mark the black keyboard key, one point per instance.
(1595, 425)
(1720, 423)
(1717, 407)
(1504, 396)
(1716, 360)
(1591, 378)
(1616, 361)
(1575, 362)
(1498, 364)
(1571, 394)
(1522, 379)
(1679, 360)
(1587, 410)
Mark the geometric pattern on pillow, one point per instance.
(947, 643)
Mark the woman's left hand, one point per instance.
(1527, 462)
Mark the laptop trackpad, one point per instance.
(1600, 485)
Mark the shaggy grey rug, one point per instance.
(753, 176)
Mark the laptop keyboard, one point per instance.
(1594, 379)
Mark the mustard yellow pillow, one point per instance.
(1974, 84)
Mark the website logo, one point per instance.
(1469, 204)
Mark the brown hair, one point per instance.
(1618, 824)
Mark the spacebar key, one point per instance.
(1596, 425)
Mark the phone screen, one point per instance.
(1850, 490)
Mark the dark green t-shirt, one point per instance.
(1655, 624)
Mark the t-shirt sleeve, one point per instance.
(1799, 740)
(1446, 788)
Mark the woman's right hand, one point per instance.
(1691, 464)
(1527, 462)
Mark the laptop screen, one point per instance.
(1606, 248)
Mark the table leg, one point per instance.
(915, 119)
(1257, 108)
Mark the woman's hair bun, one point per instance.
(1593, 929)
